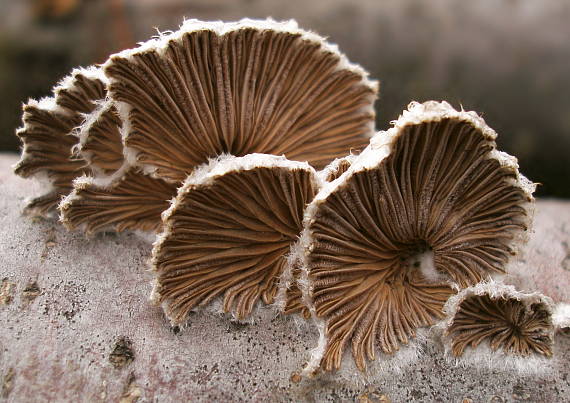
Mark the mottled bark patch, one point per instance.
(122, 354)
(6, 291)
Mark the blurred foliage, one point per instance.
(505, 59)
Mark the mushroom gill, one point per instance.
(100, 141)
(239, 88)
(429, 203)
(519, 324)
(232, 88)
(46, 135)
(228, 233)
(128, 200)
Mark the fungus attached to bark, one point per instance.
(517, 323)
(47, 135)
(228, 233)
(429, 204)
(236, 88)
(128, 200)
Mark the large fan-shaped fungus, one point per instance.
(229, 231)
(238, 88)
(429, 202)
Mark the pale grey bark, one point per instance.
(76, 325)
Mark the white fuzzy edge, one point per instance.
(483, 356)
(561, 316)
(379, 148)
(160, 43)
(333, 166)
(91, 72)
(130, 154)
(83, 182)
(286, 279)
(206, 175)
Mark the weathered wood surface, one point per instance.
(76, 325)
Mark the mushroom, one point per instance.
(430, 205)
(228, 233)
(100, 143)
(289, 299)
(517, 323)
(115, 194)
(47, 135)
(236, 88)
(127, 200)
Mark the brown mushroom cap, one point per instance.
(46, 135)
(517, 323)
(434, 183)
(229, 232)
(239, 88)
(208, 89)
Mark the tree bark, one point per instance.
(76, 324)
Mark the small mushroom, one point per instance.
(214, 88)
(100, 143)
(229, 232)
(128, 200)
(47, 135)
(517, 323)
(429, 205)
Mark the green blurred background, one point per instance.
(506, 59)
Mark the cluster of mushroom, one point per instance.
(212, 136)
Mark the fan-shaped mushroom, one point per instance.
(429, 202)
(229, 231)
(238, 88)
(100, 141)
(46, 135)
(517, 323)
(128, 199)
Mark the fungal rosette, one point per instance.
(47, 136)
(494, 324)
(428, 207)
(214, 88)
(229, 232)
